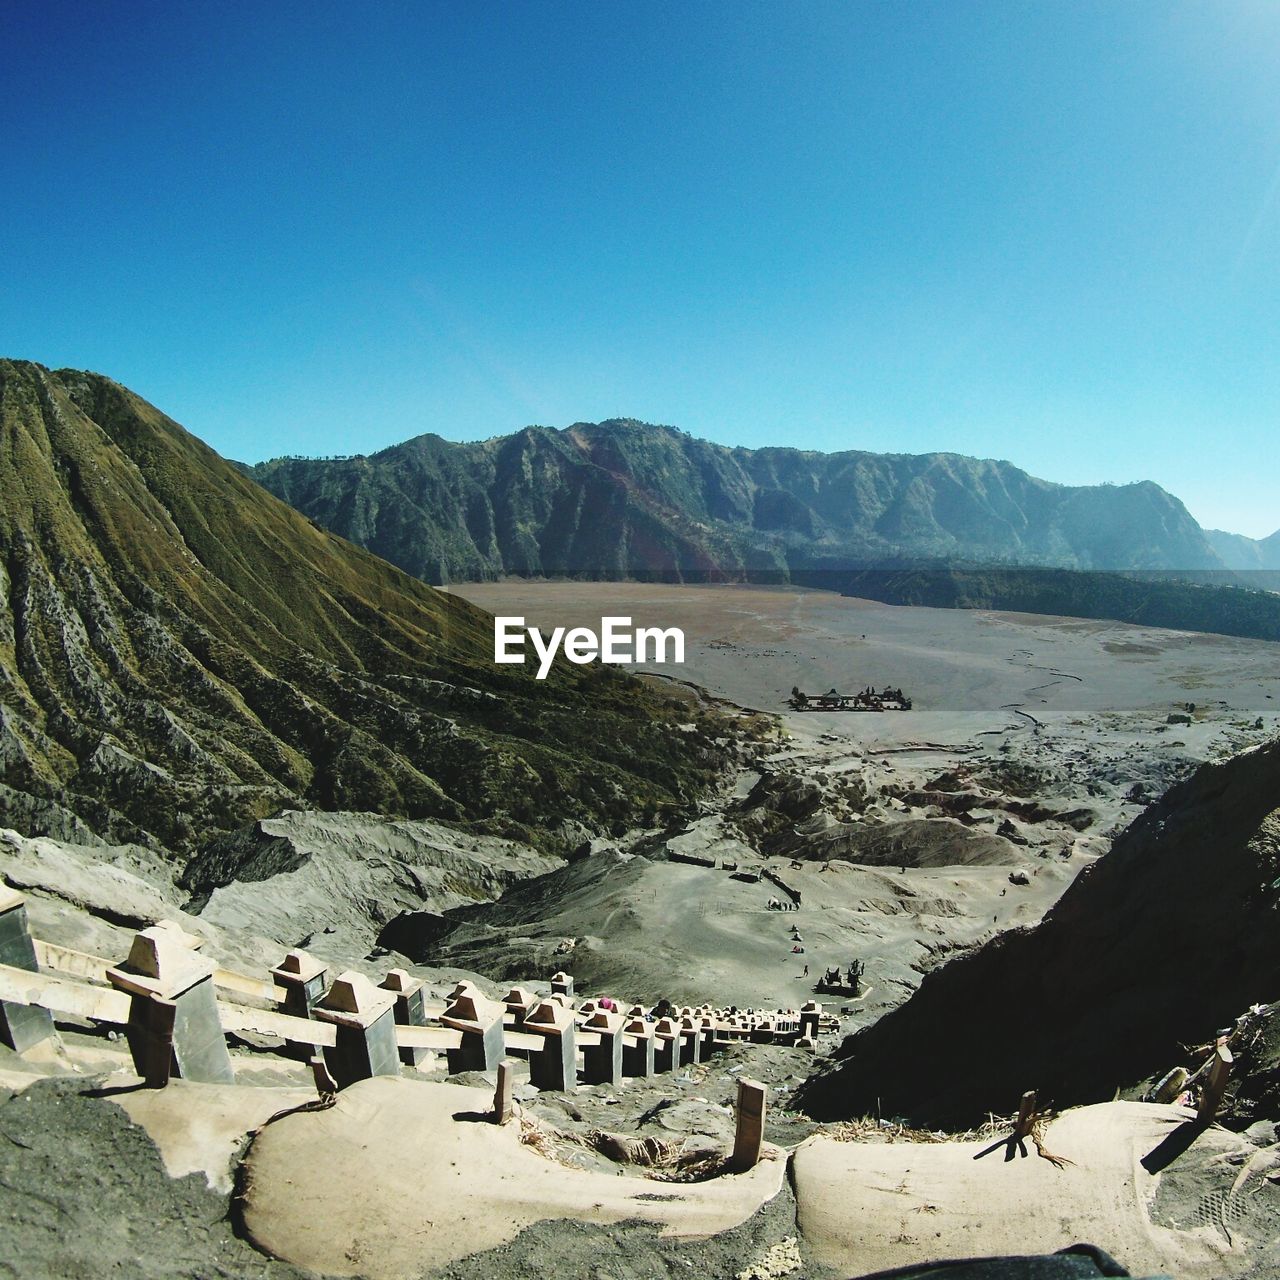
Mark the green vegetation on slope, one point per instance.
(180, 652)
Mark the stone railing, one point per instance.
(177, 1008)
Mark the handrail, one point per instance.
(60, 995)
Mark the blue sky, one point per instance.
(1042, 232)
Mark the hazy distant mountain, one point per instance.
(1238, 552)
(181, 653)
(621, 497)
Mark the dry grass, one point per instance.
(869, 1129)
(659, 1159)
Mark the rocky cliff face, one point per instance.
(1169, 937)
(619, 498)
(181, 653)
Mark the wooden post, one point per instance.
(324, 1081)
(502, 1104)
(151, 1023)
(1026, 1114)
(749, 1137)
(1215, 1085)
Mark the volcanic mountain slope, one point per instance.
(181, 653)
(1171, 935)
(1239, 552)
(619, 498)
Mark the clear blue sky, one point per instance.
(1048, 232)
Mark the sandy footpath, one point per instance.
(425, 1179)
(879, 1206)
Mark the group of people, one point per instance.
(878, 700)
(867, 699)
(852, 978)
(797, 946)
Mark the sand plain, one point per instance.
(970, 672)
(1062, 728)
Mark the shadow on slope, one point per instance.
(1169, 936)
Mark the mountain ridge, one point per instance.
(1240, 552)
(657, 499)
